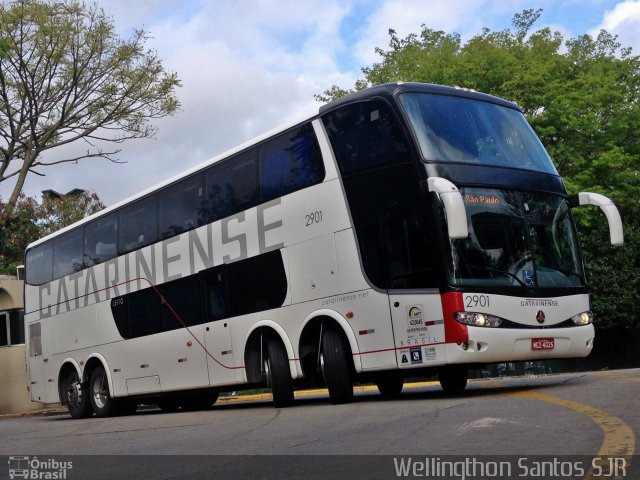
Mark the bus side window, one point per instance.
(290, 162)
(67, 253)
(138, 225)
(181, 207)
(100, 240)
(216, 293)
(257, 283)
(181, 305)
(348, 129)
(144, 313)
(410, 259)
(377, 172)
(39, 264)
(247, 286)
(120, 312)
(231, 186)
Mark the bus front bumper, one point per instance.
(491, 345)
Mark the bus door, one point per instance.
(411, 276)
(36, 364)
(220, 358)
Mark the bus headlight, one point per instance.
(477, 319)
(584, 318)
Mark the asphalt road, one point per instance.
(572, 418)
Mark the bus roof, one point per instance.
(392, 89)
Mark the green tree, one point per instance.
(65, 75)
(30, 220)
(582, 97)
(19, 228)
(4, 48)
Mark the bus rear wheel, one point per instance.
(75, 396)
(278, 375)
(101, 401)
(334, 361)
(453, 378)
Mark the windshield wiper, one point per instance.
(501, 272)
(568, 273)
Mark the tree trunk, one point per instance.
(17, 189)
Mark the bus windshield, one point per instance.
(461, 130)
(516, 239)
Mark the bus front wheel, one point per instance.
(453, 378)
(75, 396)
(276, 369)
(334, 362)
(390, 386)
(199, 400)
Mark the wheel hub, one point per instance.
(74, 394)
(99, 392)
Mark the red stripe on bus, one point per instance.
(454, 332)
(398, 348)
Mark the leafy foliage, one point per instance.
(66, 76)
(581, 96)
(30, 220)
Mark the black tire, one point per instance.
(168, 404)
(453, 378)
(102, 403)
(75, 396)
(199, 400)
(128, 406)
(278, 374)
(390, 386)
(336, 366)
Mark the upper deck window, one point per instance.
(39, 267)
(67, 253)
(290, 162)
(462, 130)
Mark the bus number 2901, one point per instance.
(313, 217)
(474, 301)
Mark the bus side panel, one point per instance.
(312, 212)
(175, 357)
(312, 268)
(418, 327)
(371, 324)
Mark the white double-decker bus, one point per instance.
(404, 230)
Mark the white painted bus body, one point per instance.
(69, 321)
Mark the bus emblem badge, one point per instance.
(540, 316)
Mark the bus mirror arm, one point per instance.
(608, 207)
(453, 205)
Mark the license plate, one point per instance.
(543, 343)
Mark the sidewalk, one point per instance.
(47, 411)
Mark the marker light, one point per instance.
(476, 319)
(584, 318)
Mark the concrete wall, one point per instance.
(14, 397)
(11, 296)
